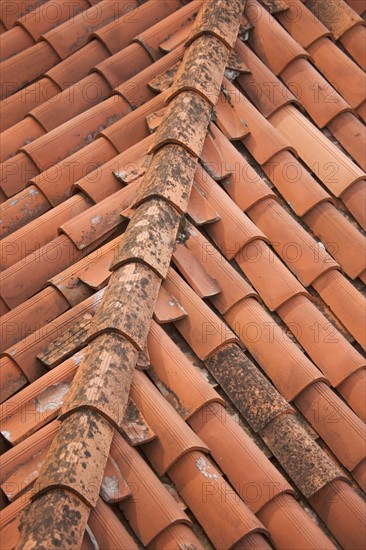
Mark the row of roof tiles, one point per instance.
(203, 279)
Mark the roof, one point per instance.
(183, 259)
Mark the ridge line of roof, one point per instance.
(71, 477)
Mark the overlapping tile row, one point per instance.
(58, 337)
(140, 269)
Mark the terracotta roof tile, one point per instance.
(265, 29)
(340, 21)
(358, 6)
(196, 477)
(317, 151)
(283, 362)
(11, 11)
(104, 163)
(153, 499)
(354, 198)
(331, 61)
(354, 42)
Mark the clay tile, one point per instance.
(255, 397)
(304, 461)
(279, 357)
(72, 35)
(213, 160)
(18, 135)
(153, 36)
(238, 457)
(70, 341)
(56, 182)
(15, 172)
(229, 119)
(50, 259)
(28, 317)
(351, 134)
(12, 10)
(339, 69)
(71, 102)
(163, 510)
(288, 523)
(42, 19)
(65, 140)
(346, 302)
(11, 513)
(328, 348)
(236, 64)
(108, 529)
(275, 6)
(267, 32)
(155, 119)
(15, 107)
(244, 185)
(175, 376)
(160, 222)
(137, 90)
(13, 42)
(24, 353)
(330, 226)
(28, 205)
(194, 272)
(344, 515)
(20, 460)
(199, 209)
(97, 221)
(132, 128)
(352, 389)
(223, 515)
(301, 23)
(264, 89)
(185, 123)
(176, 537)
(66, 465)
(53, 504)
(233, 287)
(165, 79)
(77, 66)
(167, 309)
(161, 177)
(296, 185)
(354, 198)
(261, 265)
(26, 66)
(220, 20)
(292, 243)
(353, 41)
(317, 96)
(174, 437)
(341, 430)
(339, 20)
(358, 6)
(202, 69)
(263, 141)
(12, 378)
(38, 232)
(234, 230)
(318, 152)
(122, 314)
(359, 474)
(177, 39)
(95, 276)
(37, 404)
(203, 330)
(119, 33)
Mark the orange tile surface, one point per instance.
(182, 257)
